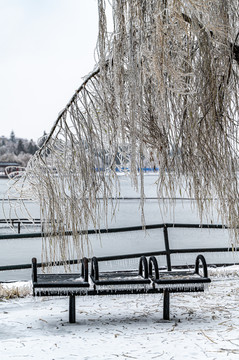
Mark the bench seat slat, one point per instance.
(56, 276)
(56, 284)
(120, 279)
(181, 281)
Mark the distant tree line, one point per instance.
(14, 149)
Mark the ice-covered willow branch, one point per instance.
(172, 88)
(165, 94)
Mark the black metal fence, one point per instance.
(167, 252)
(19, 222)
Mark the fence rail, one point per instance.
(167, 252)
(114, 230)
(19, 222)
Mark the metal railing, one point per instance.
(167, 252)
(19, 222)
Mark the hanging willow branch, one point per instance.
(165, 94)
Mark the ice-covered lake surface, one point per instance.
(128, 214)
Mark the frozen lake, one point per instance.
(20, 251)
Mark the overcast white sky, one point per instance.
(46, 48)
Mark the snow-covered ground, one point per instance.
(202, 326)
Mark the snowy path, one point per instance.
(202, 326)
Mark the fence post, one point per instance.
(167, 249)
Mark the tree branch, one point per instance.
(233, 46)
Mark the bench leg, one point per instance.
(166, 305)
(72, 309)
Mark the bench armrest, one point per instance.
(94, 268)
(84, 269)
(153, 267)
(201, 259)
(34, 270)
(143, 267)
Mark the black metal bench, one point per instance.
(178, 281)
(114, 282)
(67, 284)
(146, 280)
